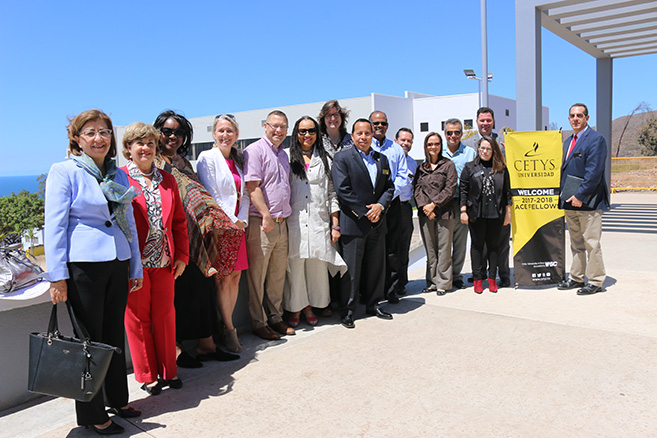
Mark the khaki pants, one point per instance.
(585, 229)
(267, 253)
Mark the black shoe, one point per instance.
(569, 284)
(401, 291)
(128, 412)
(153, 390)
(348, 320)
(458, 284)
(218, 355)
(429, 289)
(589, 289)
(440, 292)
(186, 361)
(174, 383)
(392, 298)
(379, 313)
(112, 429)
(504, 282)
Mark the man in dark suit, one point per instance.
(584, 158)
(361, 177)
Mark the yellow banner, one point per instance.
(534, 163)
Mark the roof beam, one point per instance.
(579, 9)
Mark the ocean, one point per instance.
(9, 184)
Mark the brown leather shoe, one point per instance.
(266, 333)
(283, 328)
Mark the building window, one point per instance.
(424, 126)
(467, 124)
(506, 112)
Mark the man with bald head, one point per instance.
(399, 175)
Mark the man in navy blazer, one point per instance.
(583, 166)
(361, 177)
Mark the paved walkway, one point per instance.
(520, 363)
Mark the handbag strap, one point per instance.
(78, 328)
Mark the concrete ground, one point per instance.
(519, 363)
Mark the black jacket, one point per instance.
(353, 186)
(470, 187)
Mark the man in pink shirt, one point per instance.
(266, 172)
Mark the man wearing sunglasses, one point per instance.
(584, 163)
(399, 175)
(459, 154)
(485, 125)
(267, 177)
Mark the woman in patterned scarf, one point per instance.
(213, 244)
(485, 207)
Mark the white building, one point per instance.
(422, 113)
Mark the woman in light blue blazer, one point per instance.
(92, 252)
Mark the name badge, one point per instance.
(386, 172)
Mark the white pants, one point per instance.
(307, 284)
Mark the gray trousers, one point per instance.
(437, 238)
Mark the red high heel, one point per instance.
(492, 285)
(478, 287)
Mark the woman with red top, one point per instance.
(150, 317)
(220, 171)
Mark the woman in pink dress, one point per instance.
(220, 171)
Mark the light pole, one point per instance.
(470, 74)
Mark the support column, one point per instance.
(603, 93)
(529, 104)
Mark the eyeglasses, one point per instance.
(91, 134)
(482, 149)
(333, 116)
(168, 131)
(311, 131)
(276, 126)
(380, 123)
(448, 133)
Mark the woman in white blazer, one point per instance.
(220, 171)
(92, 250)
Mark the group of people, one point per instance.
(156, 246)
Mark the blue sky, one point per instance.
(135, 59)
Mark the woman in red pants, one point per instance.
(150, 318)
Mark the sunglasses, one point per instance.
(453, 132)
(168, 131)
(310, 131)
(380, 123)
(226, 115)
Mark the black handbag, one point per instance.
(17, 270)
(67, 367)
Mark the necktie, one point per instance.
(572, 145)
